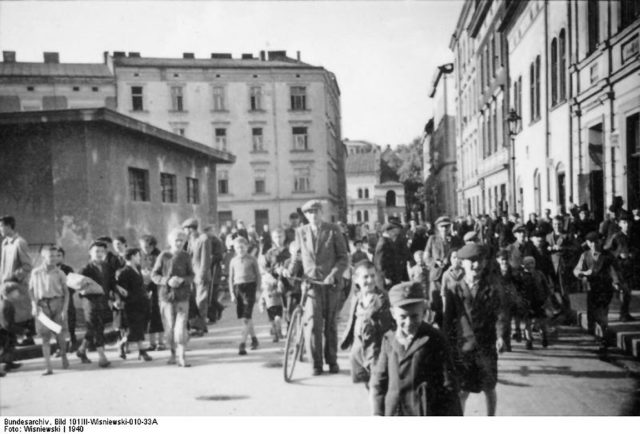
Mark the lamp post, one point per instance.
(513, 120)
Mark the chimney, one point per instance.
(9, 56)
(221, 56)
(277, 55)
(298, 55)
(135, 54)
(247, 56)
(119, 54)
(188, 56)
(51, 57)
(262, 54)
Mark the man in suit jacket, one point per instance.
(199, 249)
(322, 252)
(437, 258)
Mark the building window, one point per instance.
(301, 179)
(137, 99)
(366, 193)
(359, 193)
(218, 99)
(300, 138)
(257, 141)
(193, 191)
(76, 88)
(225, 217)
(518, 102)
(359, 216)
(221, 138)
(177, 98)
(629, 11)
(494, 124)
(255, 98)
(492, 56)
(562, 66)
(259, 182)
(138, 184)
(593, 25)
(223, 182)
(390, 198)
(95, 88)
(366, 215)
(30, 89)
(534, 89)
(554, 72)
(298, 98)
(168, 188)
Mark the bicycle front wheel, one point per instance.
(293, 347)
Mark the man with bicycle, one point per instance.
(322, 252)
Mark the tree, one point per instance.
(410, 173)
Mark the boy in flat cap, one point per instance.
(597, 272)
(473, 323)
(414, 375)
(369, 319)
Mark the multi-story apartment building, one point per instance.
(604, 67)
(279, 115)
(482, 102)
(440, 148)
(51, 85)
(537, 38)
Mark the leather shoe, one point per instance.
(316, 372)
(627, 318)
(11, 365)
(334, 369)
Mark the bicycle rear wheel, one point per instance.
(293, 347)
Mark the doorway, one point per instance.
(633, 161)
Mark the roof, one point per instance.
(34, 69)
(114, 118)
(155, 62)
(361, 163)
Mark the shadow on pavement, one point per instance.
(221, 397)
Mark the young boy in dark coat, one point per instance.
(414, 374)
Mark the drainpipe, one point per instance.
(546, 99)
(569, 96)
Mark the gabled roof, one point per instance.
(363, 163)
(114, 118)
(34, 69)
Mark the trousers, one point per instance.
(202, 290)
(94, 307)
(320, 313)
(175, 315)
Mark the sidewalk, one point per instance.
(623, 335)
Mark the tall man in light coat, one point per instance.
(200, 250)
(322, 251)
(15, 269)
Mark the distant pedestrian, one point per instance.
(419, 273)
(50, 299)
(94, 305)
(387, 257)
(173, 273)
(271, 300)
(199, 249)
(71, 310)
(149, 255)
(244, 281)
(536, 291)
(358, 254)
(625, 255)
(136, 299)
(9, 329)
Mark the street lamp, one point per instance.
(513, 121)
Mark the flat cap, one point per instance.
(391, 225)
(406, 293)
(443, 220)
(312, 204)
(470, 236)
(190, 223)
(518, 227)
(592, 236)
(472, 251)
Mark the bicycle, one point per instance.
(294, 346)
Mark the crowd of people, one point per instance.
(432, 305)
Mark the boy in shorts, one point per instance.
(244, 280)
(271, 300)
(50, 296)
(369, 320)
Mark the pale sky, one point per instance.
(384, 54)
